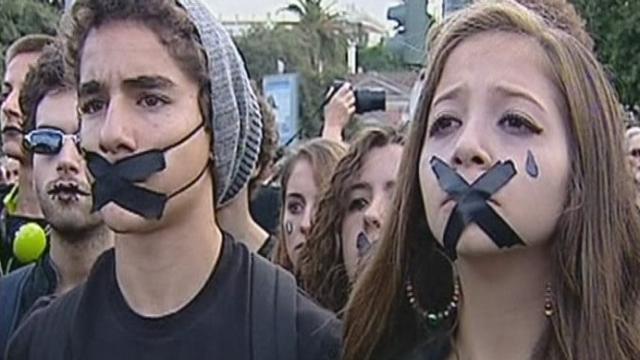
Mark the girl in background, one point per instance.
(349, 217)
(305, 173)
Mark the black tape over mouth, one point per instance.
(472, 204)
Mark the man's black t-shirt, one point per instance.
(216, 324)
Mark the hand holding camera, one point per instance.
(338, 111)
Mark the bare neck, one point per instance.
(502, 310)
(74, 255)
(28, 203)
(235, 218)
(160, 272)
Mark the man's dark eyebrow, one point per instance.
(148, 83)
(89, 88)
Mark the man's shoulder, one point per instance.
(276, 296)
(319, 330)
(46, 327)
(17, 277)
(57, 312)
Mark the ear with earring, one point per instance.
(432, 286)
(548, 301)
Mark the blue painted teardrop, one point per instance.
(532, 166)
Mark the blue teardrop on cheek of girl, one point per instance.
(532, 165)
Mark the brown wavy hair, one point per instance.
(323, 155)
(596, 252)
(322, 272)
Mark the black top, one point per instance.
(266, 250)
(428, 351)
(40, 279)
(214, 325)
(265, 208)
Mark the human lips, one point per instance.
(67, 190)
(11, 130)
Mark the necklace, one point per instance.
(433, 318)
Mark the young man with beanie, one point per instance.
(170, 129)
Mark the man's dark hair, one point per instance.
(28, 44)
(46, 77)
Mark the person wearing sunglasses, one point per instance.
(77, 235)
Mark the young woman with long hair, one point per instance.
(349, 217)
(304, 175)
(514, 233)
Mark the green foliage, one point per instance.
(315, 47)
(321, 31)
(379, 58)
(615, 26)
(22, 17)
(262, 47)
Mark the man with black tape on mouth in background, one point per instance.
(170, 129)
(78, 236)
(21, 203)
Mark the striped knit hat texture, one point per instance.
(235, 115)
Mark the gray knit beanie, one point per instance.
(235, 115)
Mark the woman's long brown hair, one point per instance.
(323, 155)
(322, 272)
(596, 248)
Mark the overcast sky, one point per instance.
(247, 9)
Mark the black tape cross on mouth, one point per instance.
(472, 204)
(115, 182)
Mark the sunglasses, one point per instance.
(48, 141)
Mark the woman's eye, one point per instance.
(518, 125)
(4, 95)
(92, 106)
(151, 101)
(444, 125)
(358, 204)
(295, 208)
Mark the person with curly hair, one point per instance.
(350, 215)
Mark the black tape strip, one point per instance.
(472, 206)
(115, 183)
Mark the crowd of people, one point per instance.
(500, 222)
